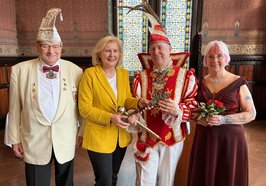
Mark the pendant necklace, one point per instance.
(159, 79)
(218, 81)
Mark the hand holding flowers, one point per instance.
(210, 108)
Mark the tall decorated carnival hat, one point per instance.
(47, 30)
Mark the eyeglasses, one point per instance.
(219, 56)
(47, 47)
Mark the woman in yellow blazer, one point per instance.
(102, 89)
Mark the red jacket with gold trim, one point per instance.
(182, 86)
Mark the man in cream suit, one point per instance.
(43, 115)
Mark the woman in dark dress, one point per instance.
(219, 155)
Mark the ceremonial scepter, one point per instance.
(154, 102)
(122, 110)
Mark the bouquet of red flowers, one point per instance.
(210, 108)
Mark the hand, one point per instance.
(18, 150)
(143, 102)
(202, 122)
(117, 120)
(79, 141)
(133, 119)
(214, 120)
(168, 106)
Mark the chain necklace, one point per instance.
(159, 79)
(217, 81)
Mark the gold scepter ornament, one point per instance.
(154, 102)
(122, 110)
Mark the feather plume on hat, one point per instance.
(157, 32)
(47, 30)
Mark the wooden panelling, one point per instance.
(231, 68)
(246, 71)
(259, 90)
(3, 102)
(4, 75)
(4, 85)
(260, 73)
(181, 175)
(260, 100)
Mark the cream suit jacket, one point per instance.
(27, 124)
(97, 102)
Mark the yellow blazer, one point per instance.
(27, 124)
(97, 102)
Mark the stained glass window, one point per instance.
(176, 18)
(132, 29)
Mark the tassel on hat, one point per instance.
(47, 30)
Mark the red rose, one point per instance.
(210, 108)
(218, 103)
(209, 102)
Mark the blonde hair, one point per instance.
(222, 46)
(100, 46)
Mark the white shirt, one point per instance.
(49, 91)
(112, 82)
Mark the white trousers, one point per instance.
(159, 170)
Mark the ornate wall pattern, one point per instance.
(242, 49)
(238, 23)
(82, 27)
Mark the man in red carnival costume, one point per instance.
(156, 159)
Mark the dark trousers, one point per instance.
(106, 166)
(40, 175)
